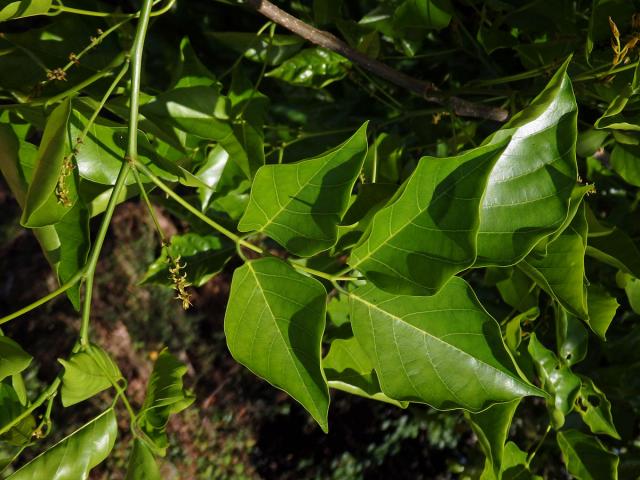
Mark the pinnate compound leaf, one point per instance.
(529, 190)
(166, 395)
(274, 325)
(142, 464)
(348, 368)
(556, 378)
(74, 456)
(560, 272)
(313, 67)
(586, 457)
(444, 350)
(43, 204)
(24, 8)
(602, 309)
(300, 205)
(595, 409)
(87, 373)
(13, 359)
(492, 429)
(203, 256)
(427, 232)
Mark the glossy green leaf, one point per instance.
(513, 329)
(618, 116)
(560, 272)
(43, 205)
(612, 246)
(586, 457)
(166, 395)
(203, 257)
(556, 378)
(274, 324)
(13, 359)
(142, 465)
(190, 71)
(348, 368)
(24, 8)
(595, 409)
(300, 205)
(529, 189)
(427, 232)
(492, 429)
(65, 244)
(519, 291)
(313, 67)
(515, 465)
(444, 350)
(87, 373)
(602, 309)
(74, 456)
(571, 336)
(631, 287)
(272, 50)
(200, 111)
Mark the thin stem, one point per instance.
(132, 154)
(152, 212)
(63, 288)
(58, 9)
(538, 445)
(215, 225)
(44, 396)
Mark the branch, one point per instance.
(425, 89)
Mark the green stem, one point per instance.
(613, 71)
(538, 445)
(215, 225)
(132, 154)
(44, 396)
(63, 288)
(152, 212)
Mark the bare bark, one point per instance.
(425, 89)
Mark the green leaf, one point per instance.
(165, 396)
(142, 465)
(203, 257)
(271, 50)
(529, 189)
(444, 350)
(349, 369)
(572, 337)
(492, 429)
(87, 373)
(10, 408)
(312, 67)
(595, 409)
(43, 204)
(300, 205)
(618, 116)
(560, 272)
(515, 465)
(190, 71)
(74, 456)
(631, 287)
(556, 378)
(13, 359)
(24, 8)
(274, 324)
(65, 244)
(625, 160)
(602, 309)
(518, 290)
(427, 232)
(200, 111)
(417, 16)
(612, 246)
(513, 329)
(586, 457)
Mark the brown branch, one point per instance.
(425, 89)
